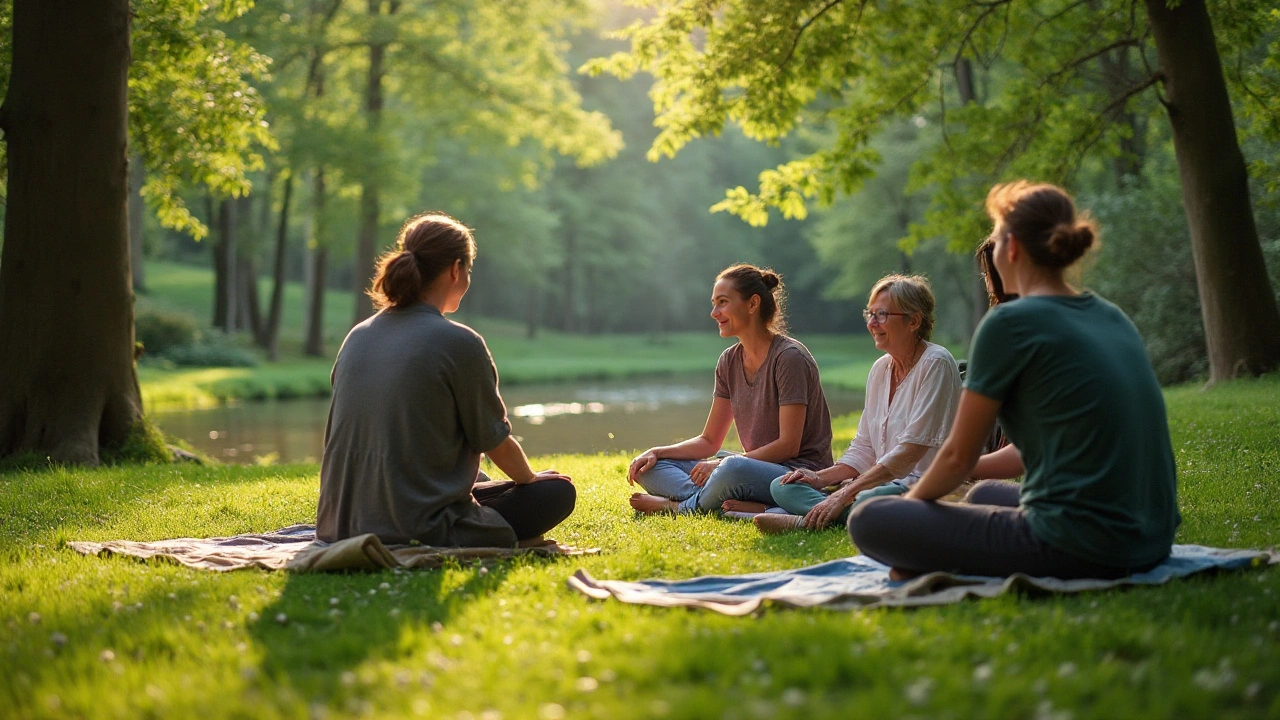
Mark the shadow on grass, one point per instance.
(322, 626)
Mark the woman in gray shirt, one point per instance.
(415, 404)
(766, 384)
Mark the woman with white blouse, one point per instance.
(912, 393)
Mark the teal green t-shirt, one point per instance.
(1079, 399)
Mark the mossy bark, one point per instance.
(1241, 319)
(68, 387)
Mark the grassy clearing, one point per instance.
(551, 356)
(118, 638)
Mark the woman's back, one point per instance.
(415, 398)
(1081, 403)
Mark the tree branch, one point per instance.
(795, 42)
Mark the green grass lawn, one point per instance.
(94, 637)
(551, 356)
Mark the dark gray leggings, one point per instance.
(530, 509)
(986, 535)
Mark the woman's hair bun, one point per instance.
(770, 279)
(1068, 241)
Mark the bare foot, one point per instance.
(745, 506)
(533, 542)
(777, 523)
(899, 575)
(650, 504)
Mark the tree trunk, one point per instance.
(320, 258)
(1241, 318)
(370, 207)
(137, 176)
(531, 316)
(271, 333)
(225, 289)
(250, 308)
(69, 386)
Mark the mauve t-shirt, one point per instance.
(788, 376)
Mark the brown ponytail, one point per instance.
(1043, 219)
(748, 280)
(428, 245)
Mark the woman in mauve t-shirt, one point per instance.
(766, 384)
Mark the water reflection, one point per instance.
(583, 417)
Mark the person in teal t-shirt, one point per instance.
(1067, 375)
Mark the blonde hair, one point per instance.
(911, 294)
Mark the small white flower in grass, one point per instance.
(918, 692)
(551, 711)
(107, 656)
(490, 715)
(793, 697)
(348, 678)
(1251, 690)
(983, 673)
(384, 586)
(1066, 670)
(507, 639)
(551, 614)
(584, 656)
(253, 616)
(587, 684)
(455, 640)
(373, 591)
(1215, 679)
(234, 602)
(1046, 711)
(334, 601)
(394, 612)
(34, 618)
(483, 570)
(608, 675)
(282, 619)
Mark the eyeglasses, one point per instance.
(879, 317)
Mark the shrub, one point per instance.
(159, 331)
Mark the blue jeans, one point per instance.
(737, 478)
(799, 498)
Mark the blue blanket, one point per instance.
(860, 581)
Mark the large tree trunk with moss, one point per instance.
(1241, 319)
(69, 388)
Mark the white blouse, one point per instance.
(922, 411)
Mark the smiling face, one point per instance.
(732, 313)
(897, 335)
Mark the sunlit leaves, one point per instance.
(1058, 83)
(194, 117)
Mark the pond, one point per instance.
(550, 418)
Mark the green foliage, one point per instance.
(508, 638)
(1144, 235)
(194, 117)
(1059, 86)
(176, 338)
(213, 349)
(160, 331)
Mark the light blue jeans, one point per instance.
(799, 498)
(737, 478)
